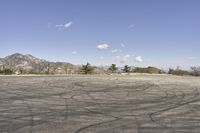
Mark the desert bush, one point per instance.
(113, 68)
(1, 72)
(126, 69)
(7, 71)
(195, 71)
(87, 69)
(151, 70)
(178, 72)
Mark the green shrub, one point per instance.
(178, 72)
(113, 68)
(1, 72)
(87, 69)
(126, 69)
(195, 71)
(7, 71)
(151, 70)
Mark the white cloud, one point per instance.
(74, 52)
(122, 45)
(127, 56)
(103, 46)
(49, 25)
(114, 51)
(138, 59)
(117, 57)
(131, 26)
(59, 25)
(191, 58)
(101, 57)
(121, 59)
(64, 26)
(68, 24)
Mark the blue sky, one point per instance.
(162, 33)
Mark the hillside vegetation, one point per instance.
(28, 64)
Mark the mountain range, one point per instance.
(29, 64)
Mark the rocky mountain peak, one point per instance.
(31, 64)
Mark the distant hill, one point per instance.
(152, 70)
(29, 64)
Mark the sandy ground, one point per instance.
(100, 104)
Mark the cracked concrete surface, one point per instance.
(99, 104)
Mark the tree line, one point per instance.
(195, 71)
(88, 69)
(6, 71)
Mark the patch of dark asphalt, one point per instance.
(83, 104)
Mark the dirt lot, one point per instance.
(100, 104)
